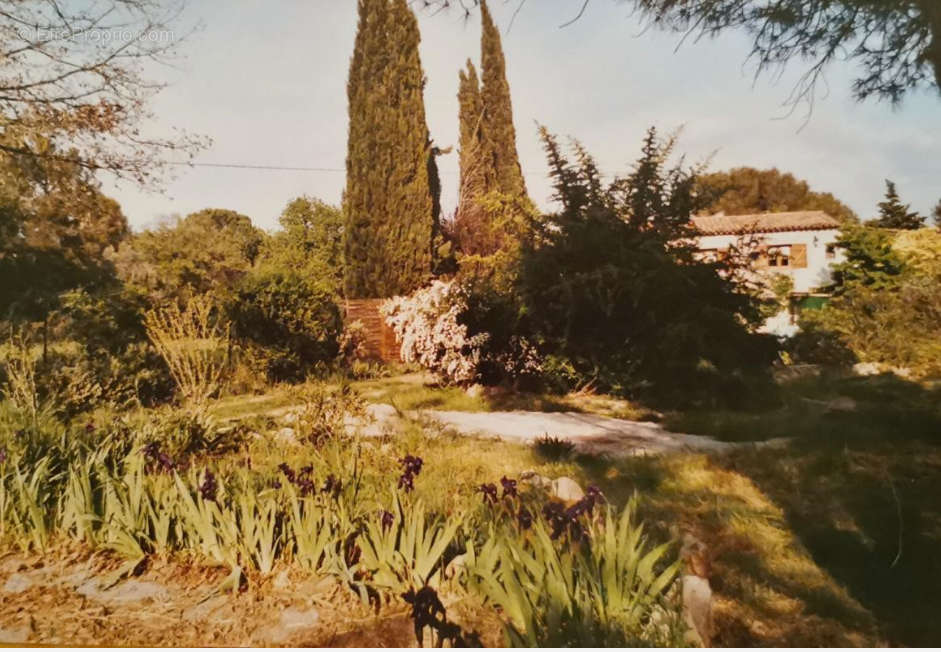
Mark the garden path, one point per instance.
(592, 434)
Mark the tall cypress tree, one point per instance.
(477, 176)
(388, 200)
(499, 132)
(488, 158)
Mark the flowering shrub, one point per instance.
(427, 324)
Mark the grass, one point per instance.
(418, 391)
(830, 540)
(881, 407)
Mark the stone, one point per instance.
(286, 436)
(292, 620)
(14, 635)
(137, 591)
(566, 490)
(533, 479)
(204, 609)
(125, 592)
(17, 583)
(697, 608)
(867, 369)
(281, 580)
(841, 404)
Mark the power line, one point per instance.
(250, 166)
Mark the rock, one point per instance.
(282, 580)
(475, 391)
(841, 404)
(566, 490)
(17, 583)
(697, 608)
(293, 618)
(535, 480)
(292, 621)
(867, 369)
(379, 419)
(205, 609)
(12, 565)
(14, 635)
(286, 436)
(125, 592)
(289, 418)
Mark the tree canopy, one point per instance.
(747, 190)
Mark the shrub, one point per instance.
(194, 343)
(294, 319)
(555, 449)
(427, 324)
(611, 287)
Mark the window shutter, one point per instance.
(799, 256)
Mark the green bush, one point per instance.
(295, 320)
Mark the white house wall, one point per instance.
(816, 274)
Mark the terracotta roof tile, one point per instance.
(763, 223)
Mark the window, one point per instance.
(779, 256)
(831, 250)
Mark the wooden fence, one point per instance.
(380, 342)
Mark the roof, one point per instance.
(763, 223)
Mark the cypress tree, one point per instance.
(388, 201)
(498, 127)
(476, 175)
(488, 157)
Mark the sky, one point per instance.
(266, 81)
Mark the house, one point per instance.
(800, 245)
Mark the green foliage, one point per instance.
(389, 207)
(870, 260)
(207, 251)
(489, 161)
(499, 134)
(608, 590)
(309, 243)
(887, 299)
(896, 45)
(609, 288)
(554, 448)
(56, 233)
(292, 317)
(893, 214)
(741, 191)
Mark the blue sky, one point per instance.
(266, 80)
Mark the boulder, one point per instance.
(286, 436)
(17, 583)
(566, 490)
